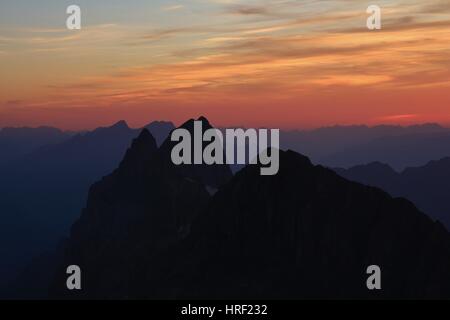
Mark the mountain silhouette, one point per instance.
(211, 175)
(426, 186)
(399, 152)
(42, 193)
(142, 208)
(151, 230)
(306, 233)
(346, 146)
(160, 130)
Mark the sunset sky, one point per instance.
(274, 63)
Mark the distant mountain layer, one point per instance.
(399, 152)
(427, 186)
(43, 192)
(16, 142)
(151, 230)
(154, 230)
(346, 146)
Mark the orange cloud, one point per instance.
(262, 65)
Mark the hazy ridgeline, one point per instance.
(46, 178)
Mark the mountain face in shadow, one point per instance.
(43, 192)
(427, 186)
(151, 230)
(160, 130)
(211, 175)
(346, 146)
(305, 233)
(399, 152)
(17, 142)
(140, 210)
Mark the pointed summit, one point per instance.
(160, 130)
(144, 140)
(122, 124)
(141, 151)
(204, 120)
(305, 232)
(118, 128)
(189, 125)
(160, 124)
(211, 175)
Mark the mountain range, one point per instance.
(427, 186)
(17, 142)
(150, 229)
(153, 230)
(347, 146)
(43, 191)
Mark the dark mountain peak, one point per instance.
(160, 130)
(210, 175)
(145, 137)
(117, 130)
(160, 124)
(378, 164)
(376, 167)
(426, 186)
(145, 141)
(143, 207)
(141, 152)
(289, 161)
(295, 157)
(116, 127)
(122, 124)
(189, 125)
(436, 169)
(294, 170)
(375, 174)
(204, 120)
(443, 163)
(307, 231)
(303, 233)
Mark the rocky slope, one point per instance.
(151, 232)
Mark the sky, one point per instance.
(271, 63)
